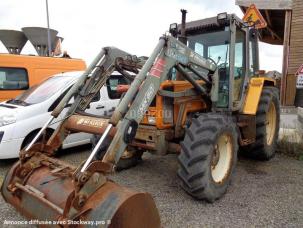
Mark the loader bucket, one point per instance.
(45, 197)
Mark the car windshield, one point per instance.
(41, 92)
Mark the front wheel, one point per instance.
(208, 156)
(131, 157)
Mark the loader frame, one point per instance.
(126, 124)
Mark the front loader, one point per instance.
(199, 96)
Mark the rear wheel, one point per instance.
(208, 156)
(267, 126)
(131, 157)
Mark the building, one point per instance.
(285, 27)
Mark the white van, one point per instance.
(21, 118)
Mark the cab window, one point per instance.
(112, 84)
(199, 48)
(253, 53)
(13, 79)
(240, 63)
(214, 45)
(240, 54)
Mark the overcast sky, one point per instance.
(132, 25)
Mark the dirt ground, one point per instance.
(263, 194)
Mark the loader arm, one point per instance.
(168, 53)
(45, 188)
(88, 85)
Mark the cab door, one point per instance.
(239, 68)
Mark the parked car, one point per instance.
(22, 117)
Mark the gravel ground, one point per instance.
(263, 194)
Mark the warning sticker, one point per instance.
(254, 18)
(158, 68)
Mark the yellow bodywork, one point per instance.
(254, 93)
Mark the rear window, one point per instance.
(13, 79)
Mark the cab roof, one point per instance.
(207, 24)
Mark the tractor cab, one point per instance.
(229, 43)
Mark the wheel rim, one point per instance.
(222, 158)
(271, 117)
(127, 154)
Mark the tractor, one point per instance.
(199, 94)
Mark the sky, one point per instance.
(131, 25)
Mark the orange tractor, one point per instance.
(198, 96)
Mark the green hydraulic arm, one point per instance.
(169, 53)
(88, 85)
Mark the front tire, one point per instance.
(208, 156)
(131, 157)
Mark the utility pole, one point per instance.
(48, 31)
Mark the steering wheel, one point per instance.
(223, 65)
(213, 61)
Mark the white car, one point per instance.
(22, 117)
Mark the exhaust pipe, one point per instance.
(183, 37)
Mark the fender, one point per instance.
(254, 93)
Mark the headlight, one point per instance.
(173, 29)
(151, 119)
(222, 16)
(7, 119)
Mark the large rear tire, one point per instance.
(208, 156)
(267, 126)
(131, 157)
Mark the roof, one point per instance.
(77, 74)
(74, 74)
(267, 4)
(273, 12)
(201, 24)
(206, 24)
(34, 56)
(41, 62)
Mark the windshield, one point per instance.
(214, 45)
(41, 92)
